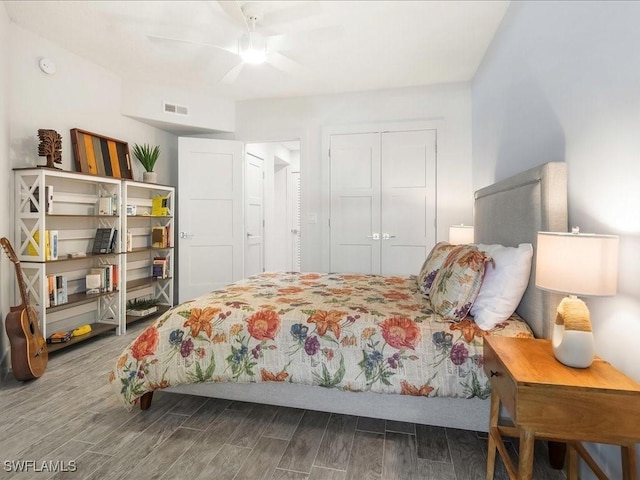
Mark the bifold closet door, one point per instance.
(383, 201)
(355, 203)
(408, 198)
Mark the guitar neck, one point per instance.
(22, 286)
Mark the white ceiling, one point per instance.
(336, 46)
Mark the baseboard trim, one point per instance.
(4, 365)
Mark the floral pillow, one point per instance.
(432, 264)
(458, 282)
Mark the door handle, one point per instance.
(374, 236)
(386, 236)
(186, 235)
(249, 235)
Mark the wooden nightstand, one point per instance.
(550, 401)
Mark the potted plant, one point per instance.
(147, 156)
(141, 307)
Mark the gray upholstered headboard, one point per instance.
(511, 212)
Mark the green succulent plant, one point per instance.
(141, 303)
(146, 155)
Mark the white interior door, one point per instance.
(254, 211)
(355, 202)
(408, 200)
(295, 222)
(210, 208)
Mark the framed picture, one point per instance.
(99, 155)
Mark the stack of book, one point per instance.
(57, 286)
(160, 267)
(103, 279)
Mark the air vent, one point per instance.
(174, 108)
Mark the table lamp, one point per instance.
(576, 264)
(460, 234)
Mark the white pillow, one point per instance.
(503, 285)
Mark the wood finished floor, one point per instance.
(71, 414)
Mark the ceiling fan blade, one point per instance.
(232, 74)
(285, 64)
(233, 9)
(190, 42)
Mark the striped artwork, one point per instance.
(99, 155)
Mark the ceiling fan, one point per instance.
(254, 47)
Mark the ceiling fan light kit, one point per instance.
(253, 48)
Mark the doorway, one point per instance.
(280, 205)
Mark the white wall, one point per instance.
(304, 118)
(561, 82)
(80, 94)
(206, 111)
(6, 273)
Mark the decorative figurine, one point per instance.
(50, 147)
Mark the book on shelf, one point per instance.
(103, 279)
(160, 267)
(57, 289)
(52, 246)
(60, 337)
(49, 299)
(160, 206)
(48, 200)
(114, 241)
(104, 241)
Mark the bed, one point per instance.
(373, 338)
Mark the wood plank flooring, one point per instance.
(70, 414)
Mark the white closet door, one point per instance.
(355, 203)
(254, 216)
(408, 200)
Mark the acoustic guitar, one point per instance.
(29, 354)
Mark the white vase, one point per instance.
(149, 177)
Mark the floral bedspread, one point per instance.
(352, 332)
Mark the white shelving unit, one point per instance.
(73, 213)
(139, 255)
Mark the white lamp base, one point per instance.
(572, 340)
(572, 347)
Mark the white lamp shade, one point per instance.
(577, 263)
(460, 234)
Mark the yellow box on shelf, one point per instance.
(160, 206)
